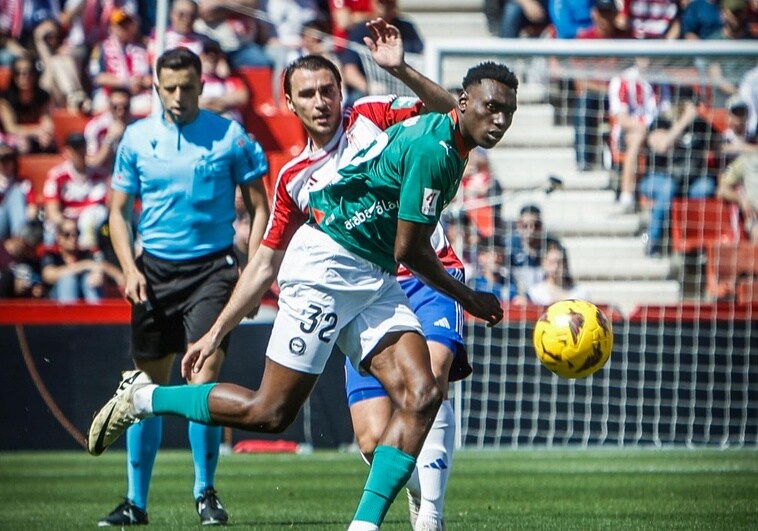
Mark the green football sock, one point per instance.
(188, 401)
(390, 470)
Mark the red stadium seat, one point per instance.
(36, 167)
(696, 223)
(67, 122)
(259, 81)
(279, 132)
(5, 77)
(730, 263)
(747, 291)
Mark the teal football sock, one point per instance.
(390, 470)
(188, 401)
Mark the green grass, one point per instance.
(530, 489)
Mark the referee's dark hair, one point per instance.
(312, 63)
(177, 59)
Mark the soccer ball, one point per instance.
(573, 338)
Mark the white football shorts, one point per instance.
(329, 296)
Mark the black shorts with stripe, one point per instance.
(184, 300)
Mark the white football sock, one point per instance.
(359, 525)
(142, 400)
(435, 462)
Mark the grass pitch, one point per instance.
(525, 489)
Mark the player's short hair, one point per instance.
(177, 59)
(530, 209)
(312, 63)
(489, 70)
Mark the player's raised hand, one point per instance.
(197, 354)
(485, 306)
(385, 43)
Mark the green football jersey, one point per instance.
(411, 172)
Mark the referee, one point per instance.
(184, 165)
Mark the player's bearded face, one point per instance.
(487, 112)
(179, 91)
(316, 99)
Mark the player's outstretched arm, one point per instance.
(256, 278)
(386, 47)
(414, 250)
(256, 202)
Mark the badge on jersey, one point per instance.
(429, 202)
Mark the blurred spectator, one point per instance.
(491, 275)
(223, 95)
(701, 19)
(571, 16)
(735, 135)
(61, 75)
(734, 15)
(14, 192)
(678, 164)
(633, 107)
(10, 48)
(33, 13)
(76, 192)
(26, 110)
(557, 284)
(92, 18)
(478, 189)
(603, 14)
(354, 82)
(518, 18)
(231, 24)
(288, 18)
(346, 14)
(122, 60)
(748, 92)
(20, 274)
(180, 30)
(388, 10)
(74, 273)
(739, 184)
(104, 131)
(525, 249)
(591, 94)
(650, 19)
(726, 72)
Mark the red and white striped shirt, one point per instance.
(75, 191)
(361, 124)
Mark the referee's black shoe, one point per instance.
(210, 508)
(125, 514)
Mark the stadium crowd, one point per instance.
(75, 73)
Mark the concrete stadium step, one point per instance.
(529, 162)
(626, 295)
(603, 247)
(440, 5)
(553, 136)
(448, 24)
(572, 180)
(533, 116)
(618, 268)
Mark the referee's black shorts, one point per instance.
(185, 298)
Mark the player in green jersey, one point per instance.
(338, 288)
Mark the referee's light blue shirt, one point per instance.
(186, 177)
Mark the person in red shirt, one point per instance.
(72, 190)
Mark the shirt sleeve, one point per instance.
(125, 170)
(387, 111)
(428, 173)
(249, 162)
(286, 217)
